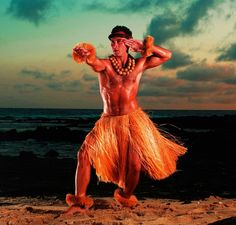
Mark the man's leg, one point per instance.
(82, 175)
(125, 197)
(82, 178)
(132, 178)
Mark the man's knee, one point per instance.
(134, 162)
(136, 166)
(82, 156)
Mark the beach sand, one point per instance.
(36, 211)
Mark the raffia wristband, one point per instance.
(148, 43)
(90, 58)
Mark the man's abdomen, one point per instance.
(120, 102)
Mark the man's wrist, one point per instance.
(148, 46)
(91, 58)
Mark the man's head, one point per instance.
(120, 31)
(117, 37)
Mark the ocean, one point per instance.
(60, 132)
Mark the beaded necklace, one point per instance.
(122, 71)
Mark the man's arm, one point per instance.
(97, 65)
(159, 56)
(82, 54)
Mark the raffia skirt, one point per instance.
(108, 143)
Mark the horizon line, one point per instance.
(102, 109)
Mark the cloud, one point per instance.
(65, 73)
(128, 6)
(229, 92)
(212, 99)
(178, 59)
(89, 77)
(197, 84)
(158, 81)
(194, 13)
(157, 86)
(157, 92)
(192, 88)
(175, 88)
(179, 22)
(70, 86)
(90, 83)
(141, 5)
(163, 27)
(94, 88)
(56, 81)
(37, 74)
(33, 11)
(122, 6)
(223, 100)
(230, 80)
(69, 55)
(27, 88)
(229, 54)
(205, 72)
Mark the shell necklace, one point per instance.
(122, 71)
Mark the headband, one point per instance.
(119, 34)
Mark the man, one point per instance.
(124, 140)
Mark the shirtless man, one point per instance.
(119, 78)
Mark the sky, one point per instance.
(36, 39)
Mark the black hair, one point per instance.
(118, 30)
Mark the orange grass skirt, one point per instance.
(108, 143)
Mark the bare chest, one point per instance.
(114, 80)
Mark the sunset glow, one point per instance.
(37, 37)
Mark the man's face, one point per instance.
(118, 46)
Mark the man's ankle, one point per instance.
(80, 195)
(125, 194)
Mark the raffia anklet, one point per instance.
(83, 202)
(130, 202)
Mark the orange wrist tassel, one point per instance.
(90, 58)
(148, 43)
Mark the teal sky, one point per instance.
(36, 39)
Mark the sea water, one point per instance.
(17, 120)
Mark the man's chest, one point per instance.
(113, 80)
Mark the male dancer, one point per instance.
(124, 140)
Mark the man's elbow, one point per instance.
(169, 56)
(98, 69)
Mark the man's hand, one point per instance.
(81, 52)
(84, 52)
(135, 45)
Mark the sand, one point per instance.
(36, 211)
